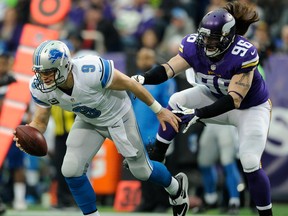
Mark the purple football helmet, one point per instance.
(216, 32)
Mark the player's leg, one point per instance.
(195, 97)
(17, 169)
(127, 139)
(206, 158)
(82, 144)
(227, 141)
(253, 127)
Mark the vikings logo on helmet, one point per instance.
(56, 54)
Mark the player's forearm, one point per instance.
(40, 119)
(141, 93)
(155, 76)
(39, 126)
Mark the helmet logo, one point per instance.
(56, 54)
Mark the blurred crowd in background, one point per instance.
(112, 26)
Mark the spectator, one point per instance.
(132, 20)
(282, 46)
(180, 24)
(15, 158)
(10, 31)
(63, 122)
(95, 22)
(219, 143)
(6, 78)
(146, 59)
(262, 41)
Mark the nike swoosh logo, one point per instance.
(115, 126)
(252, 53)
(183, 212)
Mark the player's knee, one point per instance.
(143, 176)
(70, 167)
(140, 172)
(174, 99)
(250, 162)
(203, 161)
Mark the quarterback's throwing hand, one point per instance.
(187, 116)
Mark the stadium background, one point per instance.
(275, 158)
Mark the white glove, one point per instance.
(187, 116)
(139, 78)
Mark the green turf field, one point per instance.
(279, 210)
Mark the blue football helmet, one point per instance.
(216, 32)
(51, 56)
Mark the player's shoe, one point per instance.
(233, 210)
(180, 202)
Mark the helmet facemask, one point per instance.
(44, 87)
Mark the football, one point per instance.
(31, 140)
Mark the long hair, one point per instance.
(243, 15)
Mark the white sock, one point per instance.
(19, 191)
(211, 198)
(234, 201)
(172, 189)
(94, 214)
(32, 177)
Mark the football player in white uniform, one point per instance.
(95, 91)
(233, 91)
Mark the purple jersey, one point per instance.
(241, 57)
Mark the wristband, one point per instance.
(155, 107)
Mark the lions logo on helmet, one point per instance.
(51, 57)
(216, 32)
(56, 54)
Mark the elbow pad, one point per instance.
(155, 76)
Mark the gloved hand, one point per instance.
(139, 78)
(187, 116)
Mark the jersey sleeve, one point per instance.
(249, 58)
(187, 48)
(107, 72)
(94, 71)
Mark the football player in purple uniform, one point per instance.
(229, 90)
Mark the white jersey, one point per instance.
(90, 98)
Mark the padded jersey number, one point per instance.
(87, 111)
(88, 68)
(241, 48)
(215, 84)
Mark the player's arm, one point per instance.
(163, 72)
(39, 121)
(122, 82)
(40, 118)
(239, 87)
